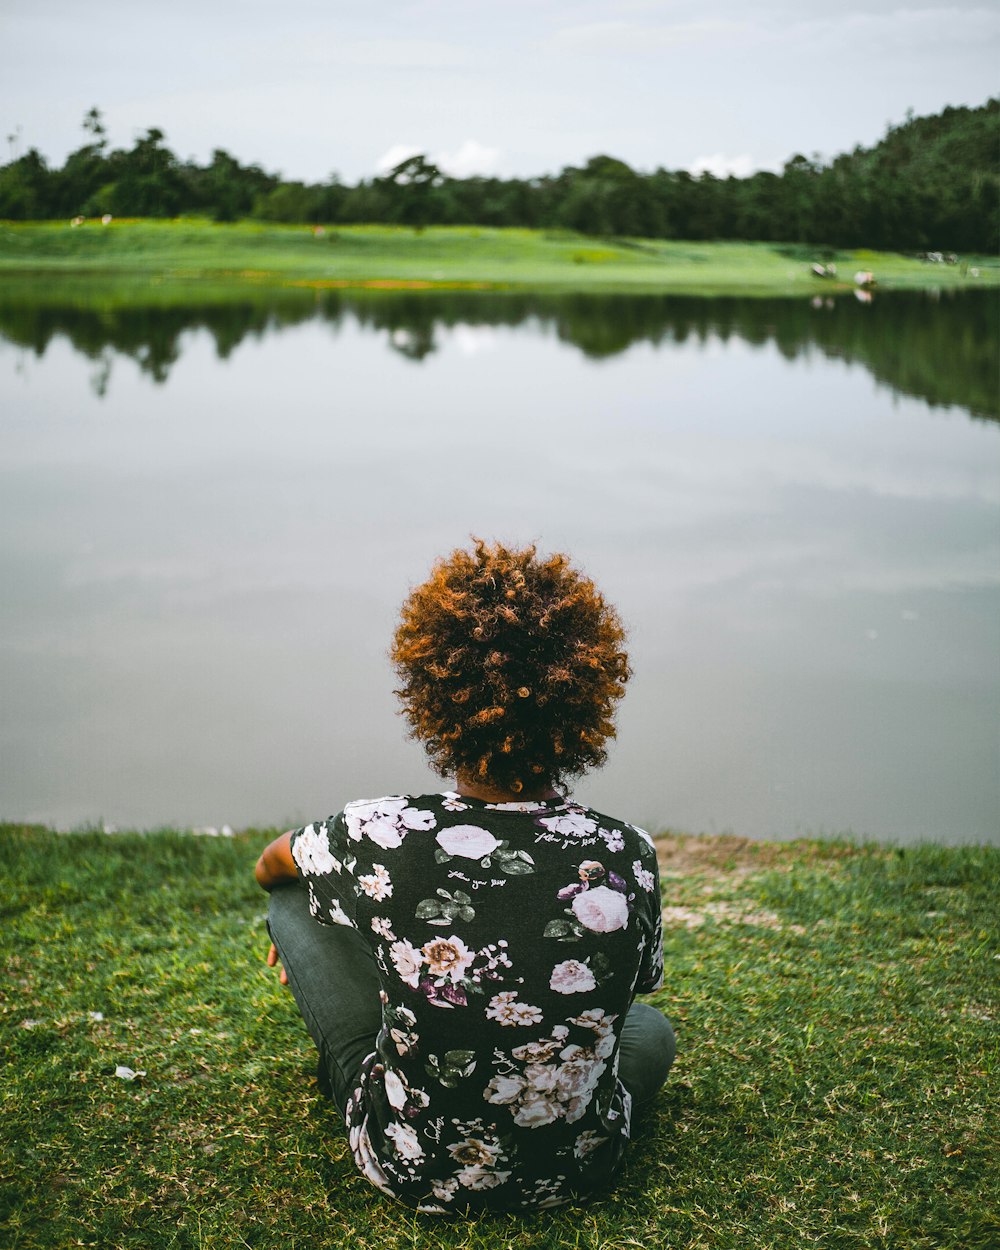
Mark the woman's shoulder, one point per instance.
(386, 821)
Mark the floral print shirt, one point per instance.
(511, 940)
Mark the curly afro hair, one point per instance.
(510, 666)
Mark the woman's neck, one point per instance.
(491, 794)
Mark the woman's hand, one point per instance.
(272, 962)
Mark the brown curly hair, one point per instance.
(510, 666)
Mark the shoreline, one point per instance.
(676, 848)
(191, 252)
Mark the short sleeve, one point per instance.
(326, 863)
(651, 964)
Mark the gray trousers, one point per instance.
(334, 978)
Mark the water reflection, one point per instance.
(201, 575)
(938, 347)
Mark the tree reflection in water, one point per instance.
(938, 347)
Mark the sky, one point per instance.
(309, 88)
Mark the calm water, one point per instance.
(210, 517)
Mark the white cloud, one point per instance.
(471, 340)
(471, 158)
(395, 155)
(722, 166)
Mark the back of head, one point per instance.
(510, 666)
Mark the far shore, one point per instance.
(191, 253)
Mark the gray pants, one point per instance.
(334, 978)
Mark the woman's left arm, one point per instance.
(276, 866)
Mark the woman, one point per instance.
(470, 983)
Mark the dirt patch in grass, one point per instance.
(722, 855)
(727, 913)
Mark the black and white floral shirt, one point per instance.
(511, 940)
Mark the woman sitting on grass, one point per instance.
(470, 983)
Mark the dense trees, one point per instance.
(932, 183)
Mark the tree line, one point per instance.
(930, 183)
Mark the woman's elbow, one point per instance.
(263, 876)
(276, 865)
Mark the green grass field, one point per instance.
(835, 1084)
(385, 256)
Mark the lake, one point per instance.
(211, 512)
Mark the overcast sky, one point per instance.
(523, 87)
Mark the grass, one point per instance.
(835, 1085)
(383, 257)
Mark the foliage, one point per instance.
(835, 1008)
(931, 184)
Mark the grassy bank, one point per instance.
(396, 257)
(835, 1084)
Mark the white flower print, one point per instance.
(480, 1157)
(357, 815)
(405, 1140)
(536, 1111)
(643, 876)
(311, 851)
(445, 1190)
(448, 958)
(578, 1077)
(338, 915)
(385, 821)
(475, 1152)
(412, 818)
(395, 1090)
(604, 1046)
(576, 1108)
(505, 1089)
(399, 1092)
(407, 961)
(481, 1178)
(384, 832)
(572, 977)
(595, 1018)
(505, 1009)
(601, 910)
(613, 839)
(468, 841)
(542, 1078)
(378, 885)
(531, 805)
(401, 1021)
(364, 1157)
(569, 824)
(452, 803)
(382, 925)
(536, 1052)
(547, 1091)
(587, 1141)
